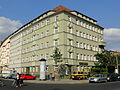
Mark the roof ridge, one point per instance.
(60, 8)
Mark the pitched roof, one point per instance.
(60, 8)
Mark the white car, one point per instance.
(98, 78)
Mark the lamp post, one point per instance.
(42, 69)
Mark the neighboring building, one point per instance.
(0, 57)
(4, 54)
(117, 54)
(78, 37)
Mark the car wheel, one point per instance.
(24, 78)
(90, 82)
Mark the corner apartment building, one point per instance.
(78, 37)
(4, 54)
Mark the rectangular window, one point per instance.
(69, 29)
(70, 55)
(81, 34)
(36, 69)
(82, 57)
(42, 56)
(84, 35)
(77, 44)
(77, 21)
(47, 44)
(77, 56)
(55, 29)
(56, 18)
(42, 23)
(47, 32)
(81, 45)
(69, 18)
(85, 57)
(81, 23)
(46, 56)
(88, 57)
(77, 32)
(70, 42)
(42, 45)
(47, 21)
(41, 34)
(56, 42)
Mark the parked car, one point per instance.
(27, 76)
(12, 76)
(112, 77)
(5, 75)
(118, 77)
(98, 78)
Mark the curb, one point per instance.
(57, 81)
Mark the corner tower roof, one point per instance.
(60, 8)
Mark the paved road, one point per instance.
(53, 86)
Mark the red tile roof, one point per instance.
(60, 8)
(116, 53)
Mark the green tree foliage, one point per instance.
(98, 69)
(57, 56)
(106, 59)
(62, 69)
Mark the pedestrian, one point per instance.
(17, 80)
(21, 81)
(53, 76)
(50, 76)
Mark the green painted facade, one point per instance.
(77, 42)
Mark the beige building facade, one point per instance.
(4, 54)
(78, 37)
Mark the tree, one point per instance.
(62, 69)
(106, 59)
(57, 56)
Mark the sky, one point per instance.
(15, 13)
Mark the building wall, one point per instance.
(5, 54)
(77, 37)
(15, 52)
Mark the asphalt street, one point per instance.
(48, 86)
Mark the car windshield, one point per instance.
(28, 75)
(96, 75)
(74, 73)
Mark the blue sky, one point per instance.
(14, 13)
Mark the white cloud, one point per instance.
(8, 26)
(112, 37)
(112, 34)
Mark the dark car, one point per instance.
(118, 77)
(112, 77)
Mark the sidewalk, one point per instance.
(62, 81)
